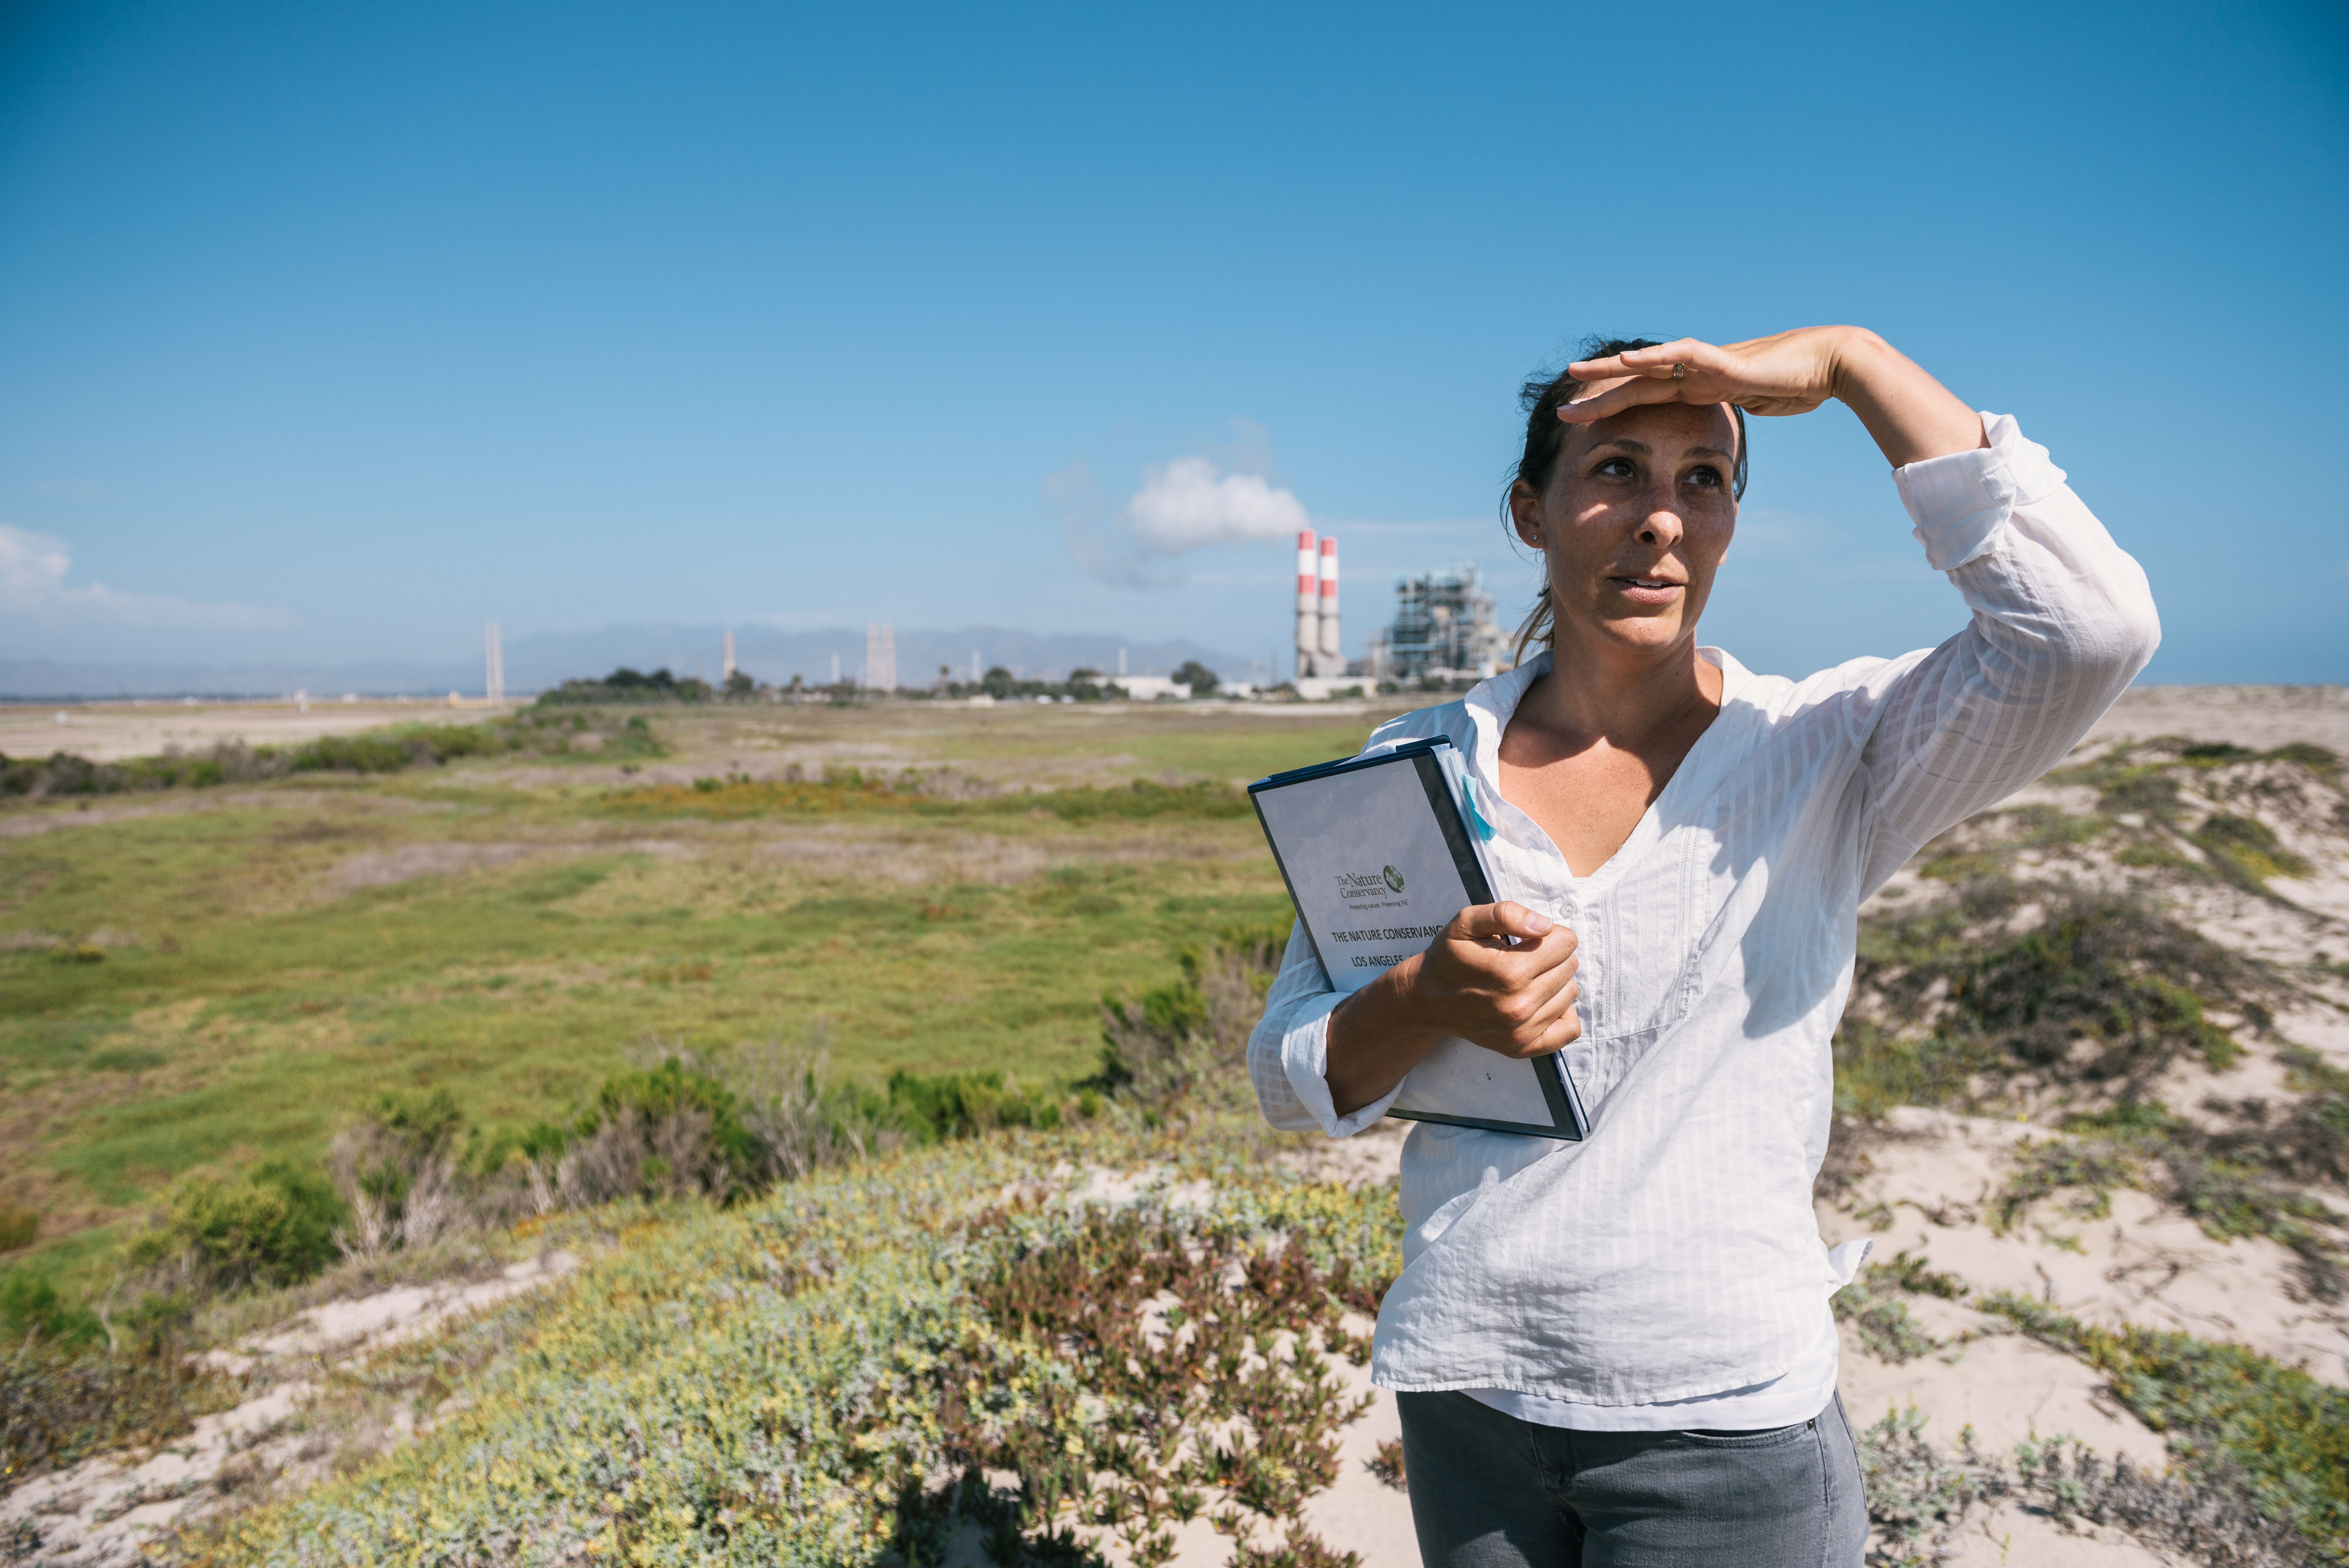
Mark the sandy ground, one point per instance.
(2258, 717)
(108, 732)
(99, 1513)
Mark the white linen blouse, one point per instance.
(1673, 1256)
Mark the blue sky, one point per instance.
(334, 331)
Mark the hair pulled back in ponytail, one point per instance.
(1545, 434)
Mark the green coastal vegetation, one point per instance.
(229, 978)
(780, 1050)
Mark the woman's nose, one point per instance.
(1662, 526)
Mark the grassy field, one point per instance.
(218, 977)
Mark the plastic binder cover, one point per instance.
(1378, 858)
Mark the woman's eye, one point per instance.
(1708, 477)
(1616, 468)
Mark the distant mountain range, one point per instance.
(548, 659)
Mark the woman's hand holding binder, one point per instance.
(1500, 976)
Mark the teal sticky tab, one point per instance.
(1475, 818)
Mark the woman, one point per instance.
(1619, 1352)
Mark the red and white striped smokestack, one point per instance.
(1309, 603)
(1329, 602)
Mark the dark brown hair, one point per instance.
(1545, 433)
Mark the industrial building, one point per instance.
(1444, 627)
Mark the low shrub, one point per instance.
(2309, 1140)
(400, 1177)
(2227, 1182)
(697, 1144)
(841, 1372)
(724, 1128)
(937, 1106)
(1872, 1306)
(2211, 1521)
(1881, 1323)
(1179, 1038)
(30, 1309)
(273, 1226)
(2044, 1167)
(385, 751)
(798, 1122)
(2144, 777)
(936, 792)
(2247, 844)
(1139, 801)
(61, 1402)
(2103, 993)
(1919, 1497)
(796, 793)
(2228, 1411)
(1878, 1068)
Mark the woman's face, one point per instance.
(1634, 524)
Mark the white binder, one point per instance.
(1378, 857)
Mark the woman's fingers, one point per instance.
(1510, 999)
(1554, 1027)
(1534, 999)
(1632, 394)
(1559, 1004)
(1506, 919)
(1706, 374)
(1516, 1018)
(1787, 373)
(1695, 353)
(1545, 971)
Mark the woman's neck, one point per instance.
(1628, 699)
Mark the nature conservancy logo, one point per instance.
(1394, 878)
(1354, 884)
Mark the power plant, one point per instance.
(1444, 627)
(1319, 654)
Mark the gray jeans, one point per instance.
(1488, 1490)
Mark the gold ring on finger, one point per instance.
(1679, 372)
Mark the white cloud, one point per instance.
(1187, 503)
(1183, 505)
(33, 571)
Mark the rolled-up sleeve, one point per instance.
(1288, 1054)
(2062, 621)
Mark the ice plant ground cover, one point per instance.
(998, 1338)
(856, 1364)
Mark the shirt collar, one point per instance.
(1491, 703)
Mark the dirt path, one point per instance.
(109, 731)
(102, 1512)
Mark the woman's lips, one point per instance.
(1647, 590)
